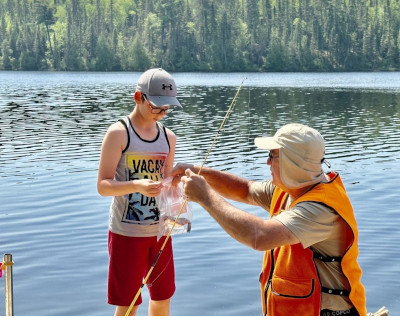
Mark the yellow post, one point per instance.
(8, 283)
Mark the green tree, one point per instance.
(46, 16)
(204, 35)
(104, 54)
(138, 57)
(6, 58)
(277, 57)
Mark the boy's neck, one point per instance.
(147, 129)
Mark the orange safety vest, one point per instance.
(289, 280)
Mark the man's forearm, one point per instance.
(239, 224)
(245, 227)
(226, 184)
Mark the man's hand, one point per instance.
(195, 186)
(178, 171)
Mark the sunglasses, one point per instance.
(158, 110)
(270, 156)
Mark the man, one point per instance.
(310, 241)
(137, 153)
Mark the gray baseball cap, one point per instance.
(159, 87)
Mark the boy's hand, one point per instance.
(148, 187)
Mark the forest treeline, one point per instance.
(200, 35)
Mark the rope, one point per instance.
(4, 264)
(184, 203)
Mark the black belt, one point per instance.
(349, 312)
(337, 292)
(327, 259)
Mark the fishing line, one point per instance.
(184, 202)
(248, 109)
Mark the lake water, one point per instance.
(54, 223)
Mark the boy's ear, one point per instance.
(138, 97)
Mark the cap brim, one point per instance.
(267, 143)
(161, 101)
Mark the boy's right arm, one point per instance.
(114, 143)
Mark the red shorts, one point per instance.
(130, 261)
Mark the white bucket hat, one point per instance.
(301, 153)
(159, 87)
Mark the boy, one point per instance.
(136, 154)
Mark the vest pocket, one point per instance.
(288, 297)
(292, 288)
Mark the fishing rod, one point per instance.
(228, 112)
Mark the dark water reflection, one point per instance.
(55, 224)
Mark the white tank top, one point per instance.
(136, 215)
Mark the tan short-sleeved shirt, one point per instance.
(316, 226)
